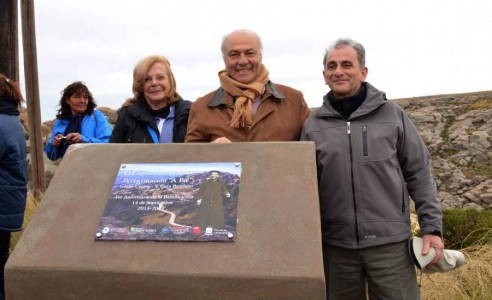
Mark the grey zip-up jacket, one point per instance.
(368, 166)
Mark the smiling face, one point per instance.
(242, 57)
(78, 103)
(343, 73)
(157, 86)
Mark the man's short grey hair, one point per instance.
(247, 31)
(345, 42)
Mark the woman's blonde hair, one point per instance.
(140, 72)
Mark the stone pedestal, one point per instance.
(277, 254)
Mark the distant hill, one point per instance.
(457, 129)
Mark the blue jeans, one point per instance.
(382, 272)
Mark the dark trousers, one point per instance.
(4, 255)
(382, 272)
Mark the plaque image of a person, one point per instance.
(210, 202)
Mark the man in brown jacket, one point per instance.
(247, 107)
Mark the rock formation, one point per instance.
(457, 130)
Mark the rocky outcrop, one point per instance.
(457, 130)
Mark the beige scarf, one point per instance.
(245, 94)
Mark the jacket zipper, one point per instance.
(353, 187)
(365, 150)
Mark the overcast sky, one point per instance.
(413, 48)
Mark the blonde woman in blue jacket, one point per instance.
(77, 121)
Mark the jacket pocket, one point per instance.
(403, 188)
(365, 150)
(380, 191)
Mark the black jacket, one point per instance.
(131, 125)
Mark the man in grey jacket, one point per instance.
(370, 161)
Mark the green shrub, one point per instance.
(465, 227)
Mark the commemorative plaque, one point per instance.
(172, 202)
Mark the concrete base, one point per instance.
(277, 254)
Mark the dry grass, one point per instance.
(480, 104)
(31, 207)
(471, 281)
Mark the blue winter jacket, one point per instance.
(13, 173)
(95, 128)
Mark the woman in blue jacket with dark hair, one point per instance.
(77, 121)
(13, 168)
